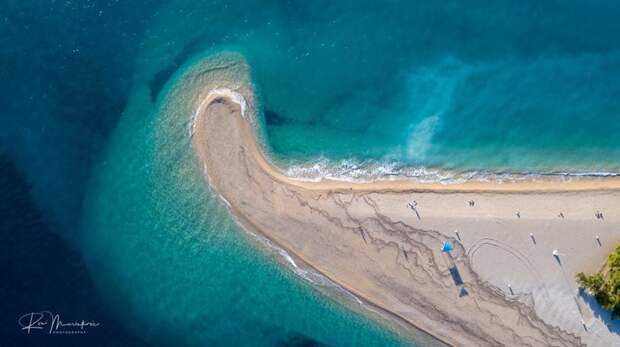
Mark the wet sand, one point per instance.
(500, 286)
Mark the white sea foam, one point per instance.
(213, 94)
(354, 171)
(368, 171)
(307, 274)
(230, 94)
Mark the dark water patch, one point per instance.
(39, 271)
(299, 340)
(273, 118)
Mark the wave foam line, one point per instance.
(214, 94)
(309, 275)
(364, 172)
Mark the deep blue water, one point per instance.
(41, 272)
(362, 88)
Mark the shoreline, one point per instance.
(364, 304)
(372, 171)
(543, 183)
(363, 238)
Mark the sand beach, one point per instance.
(501, 284)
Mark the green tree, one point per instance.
(605, 286)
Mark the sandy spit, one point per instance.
(381, 240)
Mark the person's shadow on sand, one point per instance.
(557, 258)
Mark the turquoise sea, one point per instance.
(348, 89)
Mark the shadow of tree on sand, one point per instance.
(599, 312)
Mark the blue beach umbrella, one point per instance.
(447, 247)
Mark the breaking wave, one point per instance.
(367, 171)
